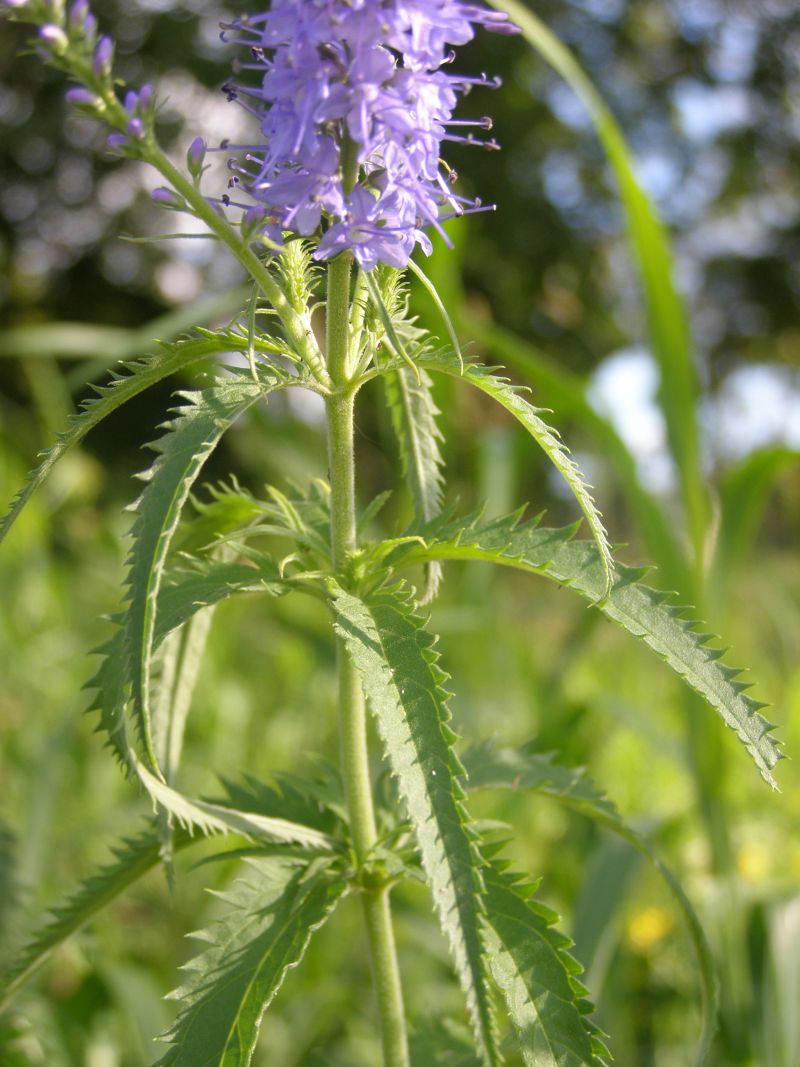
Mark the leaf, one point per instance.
(438, 303)
(669, 332)
(210, 818)
(644, 612)
(565, 392)
(251, 949)
(490, 768)
(403, 684)
(185, 591)
(8, 879)
(530, 963)
(414, 412)
(181, 452)
(441, 1043)
(743, 493)
(140, 376)
(132, 859)
(510, 397)
(182, 657)
(112, 344)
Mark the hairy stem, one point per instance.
(352, 711)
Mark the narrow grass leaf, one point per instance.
(668, 326)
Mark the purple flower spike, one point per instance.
(136, 129)
(357, 84)
(103, 54)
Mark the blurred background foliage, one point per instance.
(708, 95)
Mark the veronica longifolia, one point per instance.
(354, 106)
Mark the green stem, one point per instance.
(352, 711)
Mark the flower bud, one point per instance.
(55, 38)
(82, 97)
(169, 199)
(195, 157)
(76, 17)
(103, 54)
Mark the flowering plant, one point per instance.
(352, 102)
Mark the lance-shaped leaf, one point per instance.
(190, 439)
(414, 412)
(644, 612)
(511, 398)
(137, 377)
(213, 818)
(132, 859)
(530, 961)
(187, 590)
(493, 768)
(250, 950)
(403, 683)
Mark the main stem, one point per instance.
(352, 711)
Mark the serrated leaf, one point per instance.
(510, 397)
(190, 439)
(530, 962)
(413, 413)
(186, 590)
(138, 376)
(210, 818)
(644, 612)
(133, 858)
(403, 684)
(252, 948)
(492, 768)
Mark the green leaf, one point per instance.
(491, 768)
(530, 963)
(414, 412)
(510, 397)
(403, 684)
(214, 818)
(642, 611)
(139, 376)
(132, 859)
(743, 494)
(565, 392)
(181, 453)
(186, 590)
(441, 1043)
(669, 332)
(251, 949)
(113, 344)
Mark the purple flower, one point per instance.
(357, 86)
